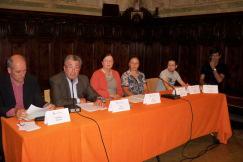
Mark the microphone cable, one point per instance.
(107, 157)
(208, 148)
(101, 136)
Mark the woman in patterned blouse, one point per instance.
(133, 81)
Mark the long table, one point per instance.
(132, 136)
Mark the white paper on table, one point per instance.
(151, 98)
(57, 116)
(136, 98)
(194, 89)
(28, 126)
(90, 107)
(119, 105)
(210, 89)
(34, 111)
(180, 91)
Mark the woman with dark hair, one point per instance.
(213, 73)
(133, 81)
(106, 81)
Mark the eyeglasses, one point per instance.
(76, 68)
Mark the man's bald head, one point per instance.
(17, 68)
(15, 59)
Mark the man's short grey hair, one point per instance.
(10, 61)
(74, 58)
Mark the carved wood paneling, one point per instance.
(45, 39)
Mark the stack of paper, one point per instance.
(34, 112)
(28, 126)
(90, 107)
(136, 98)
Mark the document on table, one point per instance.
(90, 107)
(135, 98)
(28, 126)
(34, 112)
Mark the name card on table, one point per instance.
(210, 89)
(180, 91)
(152, 98)
(57, 116)
(195, 89)
(119, 105)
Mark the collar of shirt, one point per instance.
(129, 72)
(18, 93)
(75, 82)
(14, 83)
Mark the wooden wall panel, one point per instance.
(46, 38)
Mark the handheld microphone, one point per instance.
(170, 96)
(73, 107)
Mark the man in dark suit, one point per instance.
(18, 90)
(68, 83)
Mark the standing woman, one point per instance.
(133, 81)
(106, 81)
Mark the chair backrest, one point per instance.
(47, 97)
(152, 84)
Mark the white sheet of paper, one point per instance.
(210, 89)
(57, 116)
(90, 107)
(136, 98)
(151, 98)
(34, 111)
(119, 105)
(28, 126)
(194, 89)
(180, 91)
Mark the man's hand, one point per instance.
(21, 113)
(83, 100)
(49, 106)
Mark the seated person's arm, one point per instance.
(182, 83)
(38, 99)
(56, 95)
(10, 110)
(119, 87)
(127, 91)
(95, 85)
(201, 81)
(218, 76)
(116, 96)
(145, 88)
(125, 85)
(166, 84)
(91, 94)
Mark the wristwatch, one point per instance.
(102, 99)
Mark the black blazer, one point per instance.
(31, 90)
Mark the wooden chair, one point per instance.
(47, 97)
(152, 84)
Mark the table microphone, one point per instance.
(73, 107)
(170, 96)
